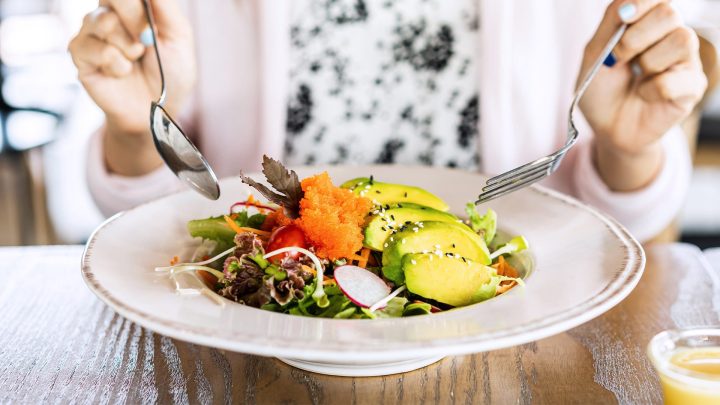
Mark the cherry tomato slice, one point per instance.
(286, 236)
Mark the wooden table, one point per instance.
(61, 344)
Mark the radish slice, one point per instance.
(361, 286)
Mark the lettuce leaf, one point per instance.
(216, 229)
(394, 309)
(485, 225)
(515, 245)
(417, 308)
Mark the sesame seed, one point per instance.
(403, 241)
(383, 228)
(392, 239)
(453, 245)
(413, 261)
(386, 245)
(406, 194)
(377, 191)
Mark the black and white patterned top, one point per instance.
(383, 81)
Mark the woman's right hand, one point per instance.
(120, 74)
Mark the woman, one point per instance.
(475, 84)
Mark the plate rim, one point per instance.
(617, 289)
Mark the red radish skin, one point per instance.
(361, 286)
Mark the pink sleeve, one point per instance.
(648, 211)
(113, 193)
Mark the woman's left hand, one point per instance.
(652, 81)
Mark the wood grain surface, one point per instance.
(60, 344)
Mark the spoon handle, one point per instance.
(151, 22)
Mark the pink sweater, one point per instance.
(531, 52)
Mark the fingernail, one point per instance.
(610, 60)
(146, 37)
(627, 11)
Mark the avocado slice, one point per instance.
(432, 236)
(387, 221)
(389, 193)
(454, 280)
(352, 184)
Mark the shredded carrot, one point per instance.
(362, 260)
(242, 229)
(232, 224)
(505, 269)
(502, 288)
(174, 260)
(327, 280)
(309, 269)
(354, 258)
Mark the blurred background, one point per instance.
(45, 119)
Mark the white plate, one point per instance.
(584, 264)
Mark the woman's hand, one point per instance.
(122, 77)
(652, 81)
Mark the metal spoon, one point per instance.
(178, 152)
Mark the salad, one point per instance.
(364, 249)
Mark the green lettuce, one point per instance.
(515, 245)
(216, 229)
(417, 308)
(393, 309)
(485, 225)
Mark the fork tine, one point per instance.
(487, 196)
(526, 167)
(546, 168)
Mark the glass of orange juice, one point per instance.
(688, 363)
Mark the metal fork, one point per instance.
(532, 172)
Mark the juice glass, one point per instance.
(688, 363)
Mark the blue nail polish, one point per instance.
(146, 37)
(627, 11)
(610, 60)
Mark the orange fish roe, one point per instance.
(331, 217)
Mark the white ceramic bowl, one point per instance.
(584, 264)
